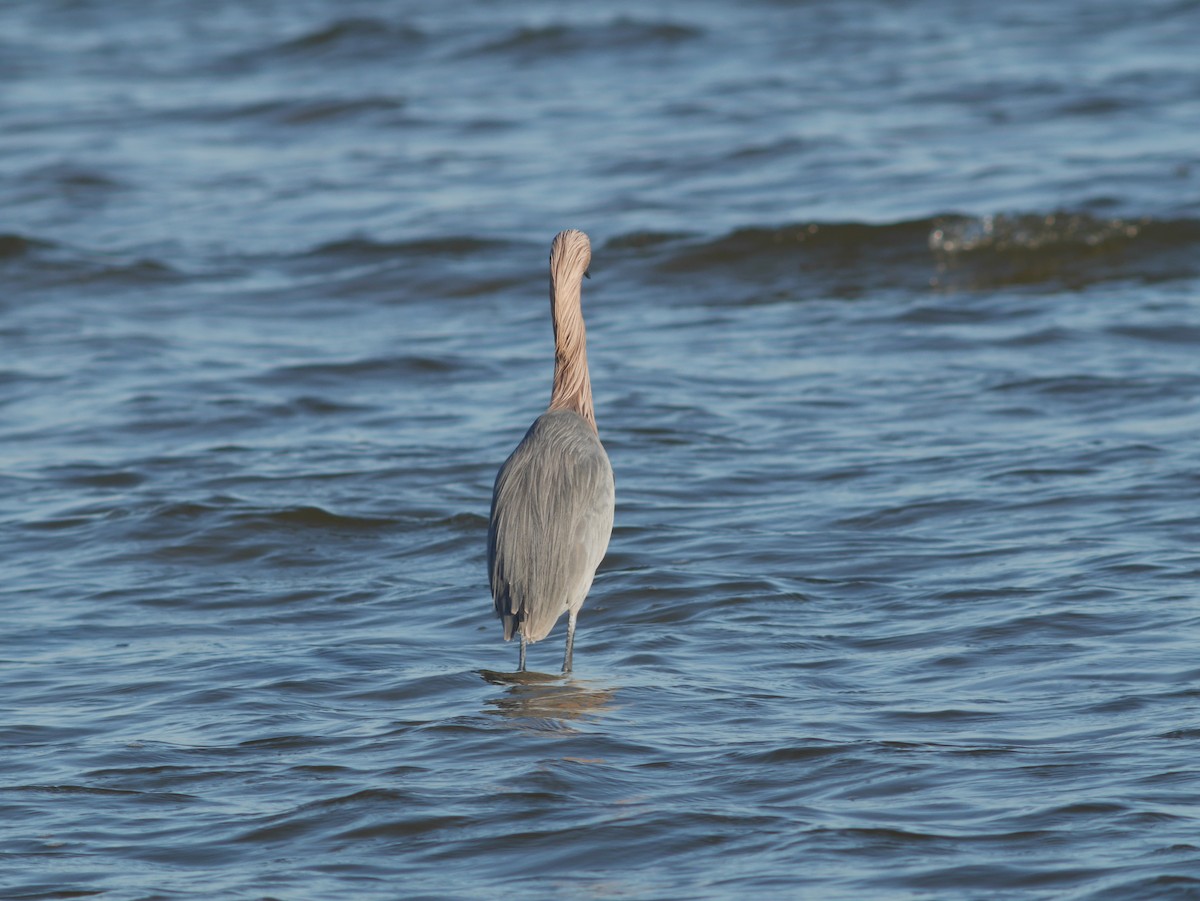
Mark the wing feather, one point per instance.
(551, 519)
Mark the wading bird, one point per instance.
(552, 505)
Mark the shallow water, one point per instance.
(893, 331)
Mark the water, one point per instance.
(894, 330)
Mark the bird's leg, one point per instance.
(570, 641)
(521, 665)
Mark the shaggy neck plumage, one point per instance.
(572, 383)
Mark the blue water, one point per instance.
(893, 329)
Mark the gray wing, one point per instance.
(552, 515)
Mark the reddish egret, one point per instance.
(552, 505)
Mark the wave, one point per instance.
(76, 183)
(349, 38)
(408, 366)
(362, 249)
(22, 256)
(949, 251)
(311, 517)
(620, 33)
(1073, 248)
(350, 34)
(13, 246)
(309, 110)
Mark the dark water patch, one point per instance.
(352, 32)
(73, 179)
(139, 797)
(915, 514)
(399, 832)
(1098, 395)
(1176, 333)
(815, 750)
(1074, 249)
(1038, 476)
(31, 263)
(234, 532)
(1067, 624)
(1038, 337)
(401, 273)
(311, 518)
(398, 272)
(635, 241)
(14, 246)
(638, 837)
(1029, 232)
(352, 40)
(96, 477)
(50, 891)
(775, 149)
(1100, 105)
(945, 314)
(619, 35)
(352, 372)
(1000, 877)
(18, 734)
(1186, 734)
(59, 523)
(846, 257)
(77, 185)
(155, 414)
(470, 523)
(363, 249)
(316, 111)
(1151, 888)
(322, 406)
(946, 253)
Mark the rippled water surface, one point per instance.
(895, 336)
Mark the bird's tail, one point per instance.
(512, 624)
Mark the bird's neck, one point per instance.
(572, 383)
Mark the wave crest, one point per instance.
(949, 251)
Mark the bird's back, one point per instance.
(552, 515)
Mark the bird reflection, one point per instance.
(546, 697)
